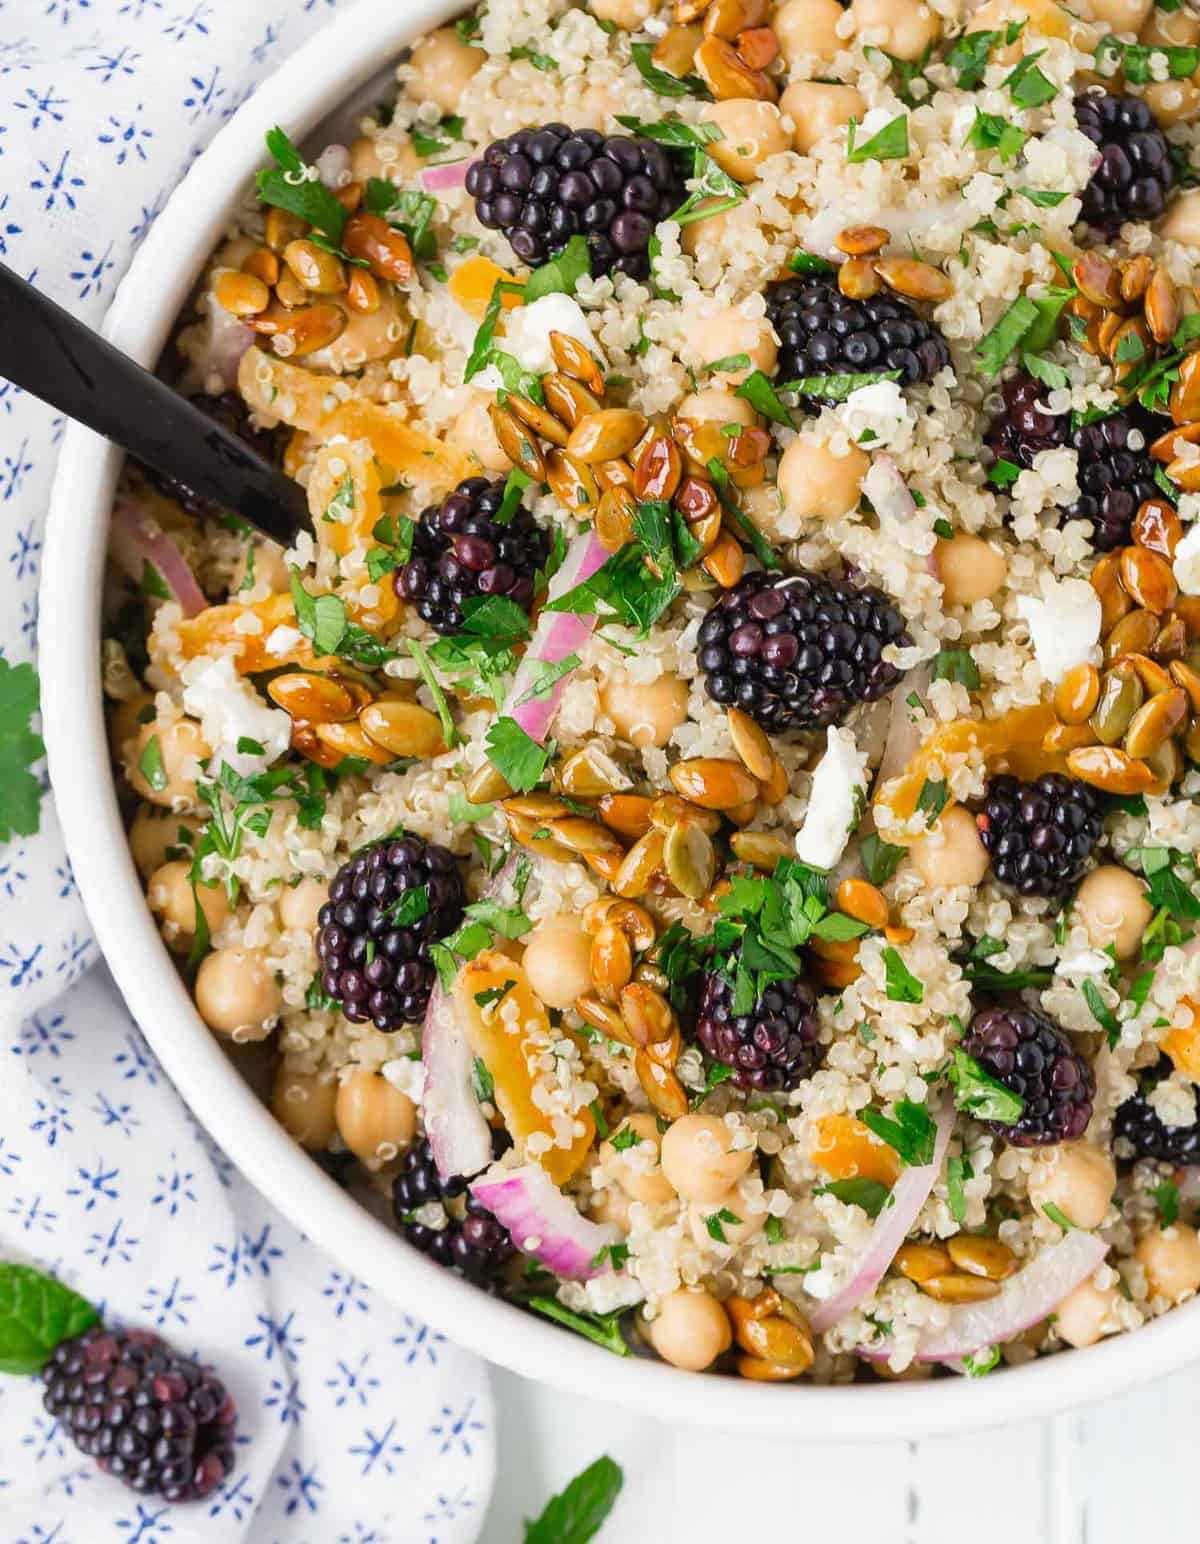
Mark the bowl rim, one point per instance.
(305, 88)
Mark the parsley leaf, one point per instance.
(992, 132)
(890, 144)
(957, 665)
(995, 346)
(902, 985)
(971, 52)
(603, 1329)
(880, 859)
(661, 82)
(1166, 1198)
(870, 1194)
(714, 1224)
(958, 1170)
(980, 1094)
(293, 186)
(1101, 1012)
(1027, 84)
(20, 791)
(518, 758)
(562, 273)
(911, 1134)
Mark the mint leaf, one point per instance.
(578, 1513)
(870, 1194)
(37, 1313)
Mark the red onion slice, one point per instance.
(138, 539)
(460, 1138)
(904, 730)
(557, 634)
(544, 1222)
(891, 1228)
(451, 174)
(1025, 1300)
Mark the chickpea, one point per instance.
(170, 895)
(1171, 1260)
(126, 720)
(994, 16)
(600, 103)
(610, 1206)
(392, 159)
(1111, 903)
(303, 1104)
(374, 1119)
(818, 109)
(807, 29)
(763, 507)
(716, 405)
(690, 1329)
(367, 335)
(1118, 15)
(181, 748)
(730, 333)
(1078, 1179)
(154, 831)
(299, 905)
(442, 67)
(558, 955)
(1173, 101)
(897, 26)
(269, 569)
(970, 568)
(1086, 1315)
(1178, 29)
(715, 228)
(645, 713)
(953, 852)
(1182, 220)
(473, 433)
(626, 14)
(818, 485)
(750, 1214)
(236, 993)
(698, 1160)
(637, 1169)
(752, 131)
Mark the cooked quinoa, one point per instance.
(776, 797)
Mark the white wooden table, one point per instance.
(1125, 1472)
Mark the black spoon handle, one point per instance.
(51, 355)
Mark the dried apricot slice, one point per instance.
(846, 1149)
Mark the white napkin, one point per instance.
(357, 1424)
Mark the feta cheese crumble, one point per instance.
(1064, 625)
(839, 786)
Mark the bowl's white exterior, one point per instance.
(311, 84)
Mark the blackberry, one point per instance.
(386, 905)
(460, 550)
(823, 332)
(228, 410)
(541, 186)
(1135, 173)
(1138, 1123)
(1029, 1054)
(1040, 834)
(775, 1046)
(157, 1421)
(1115, 475)
(799, 651)
(473, 1243)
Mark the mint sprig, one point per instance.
(37, 1313)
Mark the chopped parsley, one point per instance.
(911, 1134)
(971, 52)
(293, 186)
(712, 182)
(836, 388)
(602, 1329)
(150, 764)
(957, 665)
(1003, 473)
(1059, 1217)
(992, 132)
(890, 144)
(562, 273)
(518, 758)
(481, 1079)
(626, 589)
(660, 81)
(322, 619)
(441, 706)
(902, 985)
(1028, 86)
(626, 1138)
(870, 1194)
(978, 1093)
(933, 798)
(1100, 1011)
(407, 210)
(1166, 1198)
(958, 1171)
(880, 859)
(714, 1224)
(994, 348)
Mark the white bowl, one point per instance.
(308, 87)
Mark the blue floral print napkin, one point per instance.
(357, 1425)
